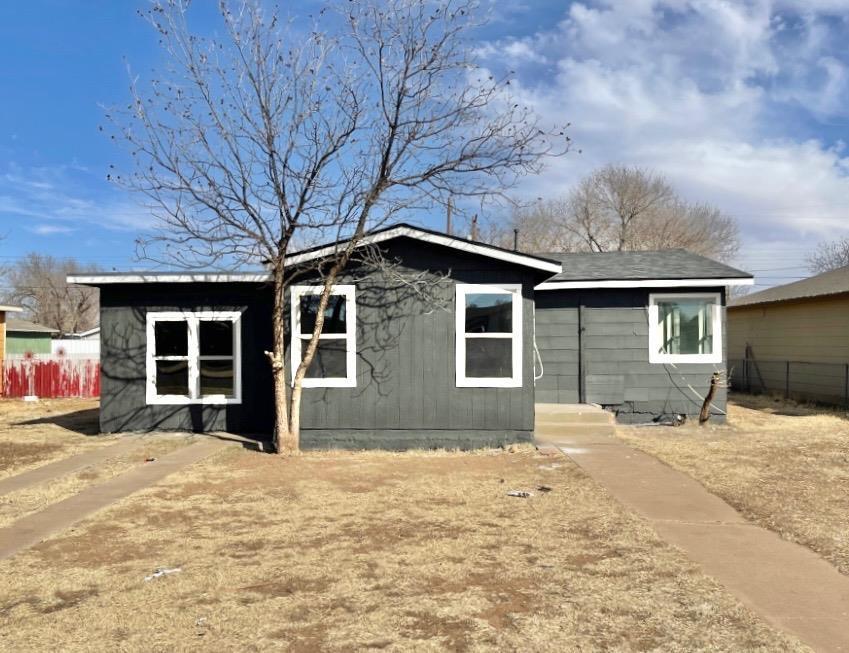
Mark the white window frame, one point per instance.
(350, 336)
(464, 289)
(656, 356)
(192, 320)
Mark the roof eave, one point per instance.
(699, 282)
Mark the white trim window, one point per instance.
(194, 357)
(685, 328)
(489, 336)
(335, 362)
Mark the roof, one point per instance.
(659, 269)
(28, 327)
(10, 309)
(84, 334)
(827, 283)
(381, 235)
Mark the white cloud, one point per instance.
(51, 229)
(67, 194)
(713, 95)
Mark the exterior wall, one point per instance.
(22, 342)
(405, 395)
(815, 330)
(609, 356)
(76, 347)
(2, 350)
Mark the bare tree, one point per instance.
(619, 208)
(38, 285)
(829, 255)
(282, 133)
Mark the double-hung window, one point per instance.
(489, 336)
(193, 357)
(685, 328)
(335, 362)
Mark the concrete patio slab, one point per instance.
(34, 528)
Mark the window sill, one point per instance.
(178, 400)
(488, 383)
(328, 383)
(685, 359)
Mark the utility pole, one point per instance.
(449, 208)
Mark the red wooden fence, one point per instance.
(51, 377)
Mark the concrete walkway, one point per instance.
(34, 528)
(67, 465)
(789, 585)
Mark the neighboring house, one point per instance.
(795, 337)
(85, 344)
(186, 350)
(4, 310)
(25, 337)
(640, 333)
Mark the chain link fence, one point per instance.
(826, 383)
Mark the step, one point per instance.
(566, 430)
(599, 417)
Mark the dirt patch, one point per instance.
(781, 464)
(429, 553)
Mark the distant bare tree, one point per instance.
(618, 208)
(283, 133)
(38, 285)
(829, 255)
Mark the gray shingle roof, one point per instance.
(27, 326)
(663, 264)
(827, 283)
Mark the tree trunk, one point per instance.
(704, 414)
(285, 440)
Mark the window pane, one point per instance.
(216, 378)
(489, 313)
(489, 357)
(172, 338)
(330, 360)
(685, 326)
(172, 377)
(334, 314)
(216, 338)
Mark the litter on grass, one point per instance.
(544, 488)
(522, 494)
(162, 571)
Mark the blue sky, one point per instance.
(742, 104)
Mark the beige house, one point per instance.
(793, 339)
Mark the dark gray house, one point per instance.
(462, 367)
(637, 332)
(186, 351)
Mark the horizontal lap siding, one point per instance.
(616, 364)
(815, 330)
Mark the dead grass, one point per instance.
(15, 505)
(362, 551)
(781, 464)
(36, 433)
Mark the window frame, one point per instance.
(193, 320)
(348, 291)
(461, 291)
(656, 356)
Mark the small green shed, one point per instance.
(23, 336)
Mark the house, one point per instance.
(793, 339)
(186, 351)
(88, 334)
(639, 333)
(84, 344)
(3, 320)
(25, 337)
(395, 369)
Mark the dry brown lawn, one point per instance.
(369, 551)
(781, 464)
(35, 433)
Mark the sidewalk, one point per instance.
(787, 584)
(34, 528)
